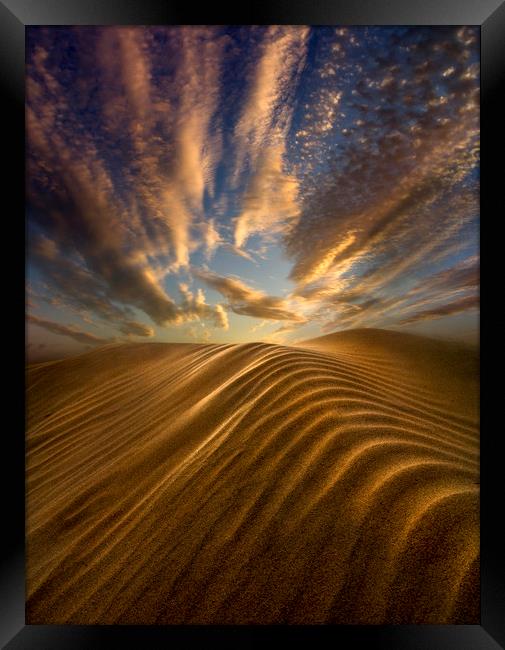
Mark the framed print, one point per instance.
(247, 399)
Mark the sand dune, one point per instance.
(334, 482)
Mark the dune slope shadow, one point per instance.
(335, 482)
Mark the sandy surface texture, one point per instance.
(333, 482)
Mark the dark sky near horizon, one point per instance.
(230, 184)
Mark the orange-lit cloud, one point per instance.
(136, 329)
(195, 306)
(267, 110)
(211, 237)
(270, 201)
(247, 301)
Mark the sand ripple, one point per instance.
(331, 483)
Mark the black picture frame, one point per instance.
(14, 16)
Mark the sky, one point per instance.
(235, 184)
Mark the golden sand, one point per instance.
(334, 482)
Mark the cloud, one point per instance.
(105, 237)
(211, 237)
(247, 301)
(456, 307)
(198, 80)
(402, 186)
(168, 124)
(69, 331)
(360, 307)
(136, 329)
(239, 251)
(461, 277)
(194, 306)
(264, 308)
(266, 112)
(201, 335)
(270, 201)
(279, 335)
(70, 282)
(258, 326)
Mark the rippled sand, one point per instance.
(334, 482)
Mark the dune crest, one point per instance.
(333, 482)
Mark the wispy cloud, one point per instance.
(454, 286)
(211, 237)
(136, 329)
(66, 330)
(449, 309)
(266, 113)
(243, 299)
(462, 276)
(270, 201)
(279, 335)
(231, 248)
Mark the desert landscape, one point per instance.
(252, 324)
(335, 481)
